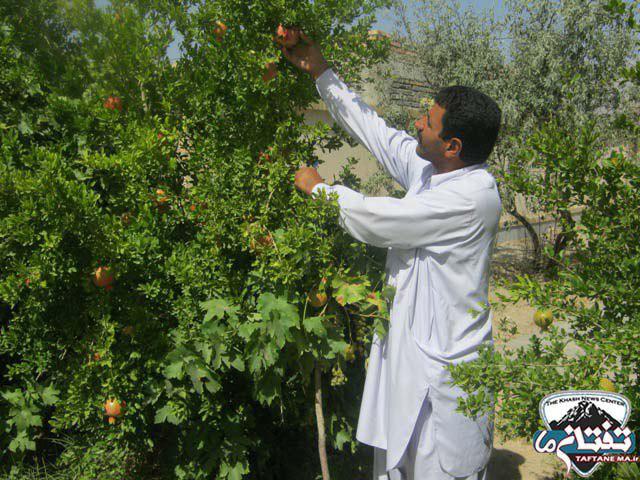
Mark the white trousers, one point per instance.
(420, 460)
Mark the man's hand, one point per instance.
(306, 55)
(306, 179)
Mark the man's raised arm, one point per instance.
(394, 149)
(431, 219)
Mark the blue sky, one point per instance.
(384, 20)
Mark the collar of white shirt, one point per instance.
(440, 178)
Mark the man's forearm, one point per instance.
(394, 149)
(317, 72)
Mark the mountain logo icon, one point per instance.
(585, 414)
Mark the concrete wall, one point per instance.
(334, 161)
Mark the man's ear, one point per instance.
(454, 146)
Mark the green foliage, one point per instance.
(207, 331)
(23, 413)
(186, 193)
(628, 471)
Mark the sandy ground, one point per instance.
(517, 460)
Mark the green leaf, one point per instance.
(195, 374)
(336, 346)
(268, 388)
(237, 471)
(255, 362)
(377, 300)
(342, 437)
(166, 414)
(246, 329)
(212, 330)
(180, 353)
(238, 364)
(279, 315)
(380, 328)
(174, 370)
(22, 443)
(270, 353)
(25, 127)
(26, 419)
(389, 292)
(217, 307)
(212, 385)
(14, 398)
(315, 325)
(50, 395)
(350, 293)
(233, 473)
(205, 349)
(36, 421)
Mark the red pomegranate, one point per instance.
(113, 103)
(113, 408)
(287, 37)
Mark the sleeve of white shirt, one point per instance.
(430, 219)
(394, 149)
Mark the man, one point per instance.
(439, 237)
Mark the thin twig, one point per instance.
(322, 447)
(545, 365)
(274, 243)
(371, 315)
(269, 199)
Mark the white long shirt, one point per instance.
(439, 237)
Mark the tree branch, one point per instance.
(322, 447)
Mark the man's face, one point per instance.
(430, 146)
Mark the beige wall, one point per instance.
(335, 160)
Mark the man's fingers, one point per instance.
(286, 54)
(293, 58)
(304, 37)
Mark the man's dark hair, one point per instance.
(471, 116)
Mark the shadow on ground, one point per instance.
(505, 465)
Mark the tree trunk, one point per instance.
(562, 239)
(509, 204)
(322, 447)
(537, 250)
